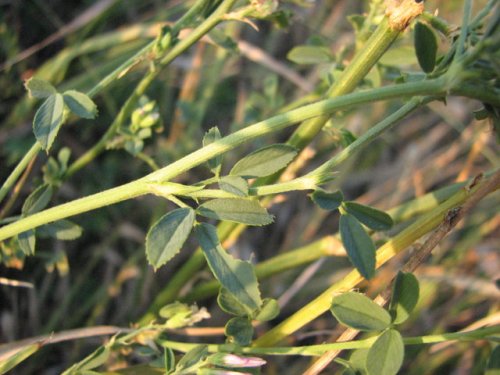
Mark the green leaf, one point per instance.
(80, 104)
(386, 355)
(235, 185)
(212, 135)
(404, 297)
(357, 311)
(230, 304)
(27, 241)
(38, 88)
(493, 367)
(64, 230)
(265, 161)
(192, 360)
(369, 216)
(310, 55)
(235, 275)
(48, 119)
(326, 200)
(166, 237)
(239, 331)
(269, 310)
(12, 360)
(92, 361)
(359, 246)
(37, 200)
(425, 47)
(243, 211)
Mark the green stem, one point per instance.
(18, 170)
(78, 206)
(317, 350)
(465, 29)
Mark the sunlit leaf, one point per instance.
(80, 104)
(265, 161)
(245, 211)
(386, 355)
(358, 244)
(357, 311)
(268, 311)
(166, 237)
(48, 120)
(7, 364)
(404, 297)
(235, 275)
(38, 88)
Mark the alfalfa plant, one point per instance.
(239, 198)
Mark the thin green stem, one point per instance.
(317, 350)
(465, 29)
(18, 170)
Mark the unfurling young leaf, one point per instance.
(358, 244)
(48, 119)
(38, 88)
(425, 47)
(235, 185)
(167, 235)
(212, 135)
(265, 161)
(404, 297)
(80, 104)
(239, 331)
(386, 355)
(236, 276)
(357, 311)
(326, 200)
(369, 216)
(243, 211)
